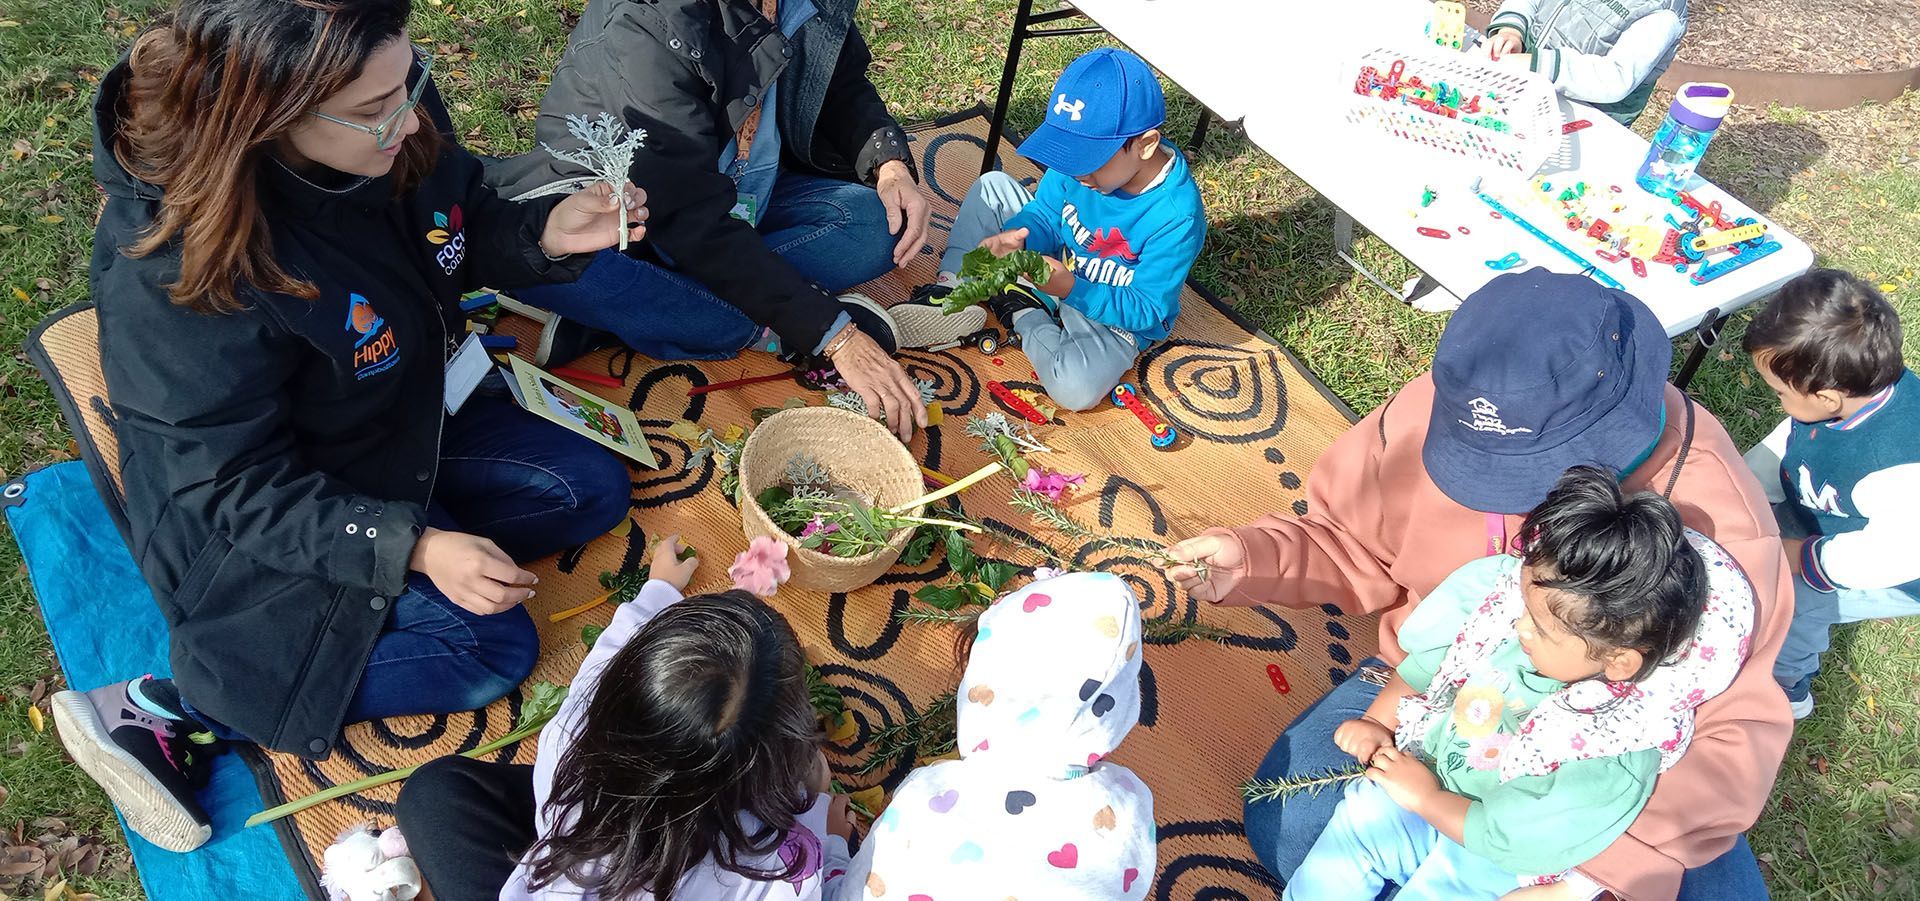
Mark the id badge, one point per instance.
(744, 209)
(468, 366)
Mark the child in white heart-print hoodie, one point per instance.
(1031, 809)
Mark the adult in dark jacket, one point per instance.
(775, 178)
(277, 271)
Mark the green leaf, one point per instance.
(543, 701)
(863, 518)
(960, 556)
(687, 552)
(921, 546)
(590, 634)
(773, 498)
(812, 542)
(1020, 467)
(1006, 448)
(997, 574)
(944, 597)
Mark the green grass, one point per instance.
(1842, 823)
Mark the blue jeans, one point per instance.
(1282, 831)
(1079, 361)
(1373, 842)
(1815, 613)
(834, 232)
(533, 488)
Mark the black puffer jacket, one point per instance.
(278, 460)
(689, 71)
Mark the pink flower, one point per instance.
(1707, 652)
(1484, 753)
(1050, 484)
(761, 567)
(819, 527)
(1579, 741)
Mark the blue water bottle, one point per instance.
(1696, 113)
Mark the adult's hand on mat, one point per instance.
(471, 571)
(1223, 556)
(889, 393)
(907, 209)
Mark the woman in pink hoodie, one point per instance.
(1441, 474)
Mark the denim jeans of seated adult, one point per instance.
(531, 487)
(834, 232)
(1281, 832)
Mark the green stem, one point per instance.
(1281, 789)
(962, 484)
(378, 779)
(944, 523)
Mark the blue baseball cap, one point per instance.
(1538, 372)
(1103, 98)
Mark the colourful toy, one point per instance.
(1433, 232)
(1427, 196)
(1163, 435)
(1454, 105)
(499, 342)
(1449, 25)
(1639, 267)
(1587, 267)
(1278, 678)
(1746, 231)
(1014, 403)
(1747, 254)
(1574, 126)
(1510, 261)
(568, 372)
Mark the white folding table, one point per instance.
(1277, 67)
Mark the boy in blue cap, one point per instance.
(1117, 215)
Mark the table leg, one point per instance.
(1200, 129)
(1706, 337)
(997, 125)
(1343, 248)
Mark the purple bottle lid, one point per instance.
(1701, 105)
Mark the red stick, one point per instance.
(568, 372)
(722, 386)
(1019, 406)
(1432, 232)
(1574, 126)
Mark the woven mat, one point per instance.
(1252, 423)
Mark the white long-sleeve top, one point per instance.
(707, 882)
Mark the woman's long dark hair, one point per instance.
(213, 87)
(701, 717)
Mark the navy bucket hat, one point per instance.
(1538, 372)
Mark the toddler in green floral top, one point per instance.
(1541, 696)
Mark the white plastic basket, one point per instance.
(1520, 99)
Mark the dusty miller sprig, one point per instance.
(848, 400)
(608, 154)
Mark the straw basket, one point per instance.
(859, 454)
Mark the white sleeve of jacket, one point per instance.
(1881, 554)
(1765, 459)
(1611, 77)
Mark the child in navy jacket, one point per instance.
(1117, 215)
(1843, 470)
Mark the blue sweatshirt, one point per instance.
(1857, 484)
(1129, 252)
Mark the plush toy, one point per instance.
(364, 865)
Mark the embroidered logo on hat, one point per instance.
(1486, 418)
(1062, 106)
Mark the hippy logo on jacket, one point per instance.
(375, 350)
(1108, 257)
(448, 234)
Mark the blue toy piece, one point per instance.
(1161, 434)
(1746, 255)
(1510, 261)
(499, 342)
(479, 301)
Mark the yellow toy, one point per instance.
(1449, 28)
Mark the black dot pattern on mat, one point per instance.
(1338, 630)
(1222, 867)
(1300, 508)
(1290, 481)
(1212, 391)
(1336, 675)
(1332, 610)
(881, 644)
(875, 703)
(1275, 457)
(1339, 653)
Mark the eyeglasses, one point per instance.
(387, 132)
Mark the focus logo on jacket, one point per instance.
(450, 237)
(1108, 258)
(375, 350)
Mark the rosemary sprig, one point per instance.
(932, 615)
(1176, 632)
(1281, 789)
(928, 732)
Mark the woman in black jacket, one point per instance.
(277, 271)
(775, 176)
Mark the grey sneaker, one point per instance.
(149, 766)
(921, 322)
